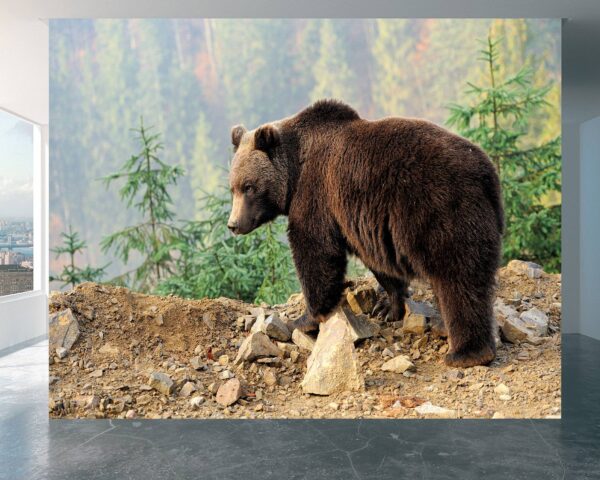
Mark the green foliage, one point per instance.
(146, 179)
(333, 76)
(211, 263)
(498, 118)
(72, 274)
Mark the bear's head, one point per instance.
(258, 178)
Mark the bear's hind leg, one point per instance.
(467, 312)
(391, 306)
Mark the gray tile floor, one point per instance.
(31, 447)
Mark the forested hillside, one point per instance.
(193, 79)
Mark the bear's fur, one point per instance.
(404, 195)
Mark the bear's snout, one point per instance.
(233, 226)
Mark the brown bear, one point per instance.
(403, 194)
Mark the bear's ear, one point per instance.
(237, 133)
(266, 138)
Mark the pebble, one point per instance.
(161, 382)
(131, 414)
(257, 345)
(224, 360)
(399, 364)
(61, 352)
(272, 326)
(269, 377)
(428, 409)
(454, 375)
(387, 353)
(187, 389)
(197, 363)
(97, 373)
(502, 389)
(196, 402)
(229, 392)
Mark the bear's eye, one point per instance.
(248, 188)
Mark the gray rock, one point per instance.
(399, 364)
(520, 267)
(536, 321)
(387, 353)
(257, 345)
(61, 352)
(197, 363)
(63, 330)
(273, 326)
(161, 382)
(187, 389)
(333, 365)
(303, 340)
(196, 402)
(229, 392)
(515, 328)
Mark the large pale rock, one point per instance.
(229, 392)
(417, 317)
(273, 326)
(362, 299)
(333, 365)
(399, 364)
(257, 345)
(358, 325)
(63, 330)
(303, 340)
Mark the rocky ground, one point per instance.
(119, 354)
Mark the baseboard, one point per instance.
(21, 345)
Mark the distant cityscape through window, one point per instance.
(16, 204)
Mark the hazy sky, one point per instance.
(16, 167)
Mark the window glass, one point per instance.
(16, 204)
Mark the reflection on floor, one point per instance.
(31, 447)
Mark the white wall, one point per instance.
(24, 67)
(589, 148)
(24, 91)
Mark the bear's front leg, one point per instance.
(321, 266)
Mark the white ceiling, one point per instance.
(24, 40)
(305, 8)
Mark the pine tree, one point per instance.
(498, 119)
(212, 263)
(72, 274)
(146, 181)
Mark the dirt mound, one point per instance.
(166, 357)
